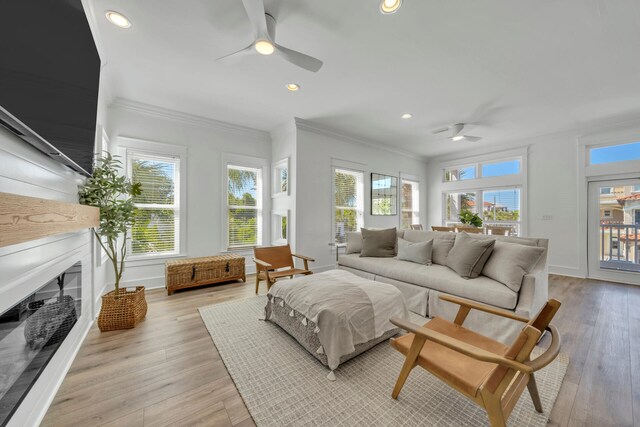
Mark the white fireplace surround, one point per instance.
(27, 266)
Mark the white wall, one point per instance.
(25, 267)
(317, 150)
(206, 140)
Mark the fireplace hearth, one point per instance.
(32, 331)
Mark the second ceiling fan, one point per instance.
(264, 26)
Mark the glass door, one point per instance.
(614, 230)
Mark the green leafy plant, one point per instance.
(467, 217)
(112, 193)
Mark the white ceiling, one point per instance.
(514, 69)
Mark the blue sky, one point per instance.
(615, 153)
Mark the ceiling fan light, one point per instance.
(458, 138)
(390, 6)
(264, 47)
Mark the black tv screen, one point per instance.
(49, 78)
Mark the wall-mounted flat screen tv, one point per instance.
(49, 78)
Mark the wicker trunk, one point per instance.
(191, 272)
(124, 311)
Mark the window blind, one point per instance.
(410, 203)
(244, 206)
(157, 218)
(348, 202)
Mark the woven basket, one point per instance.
(124, 311)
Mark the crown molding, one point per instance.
(328, 131)
(191, 119)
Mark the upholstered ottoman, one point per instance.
(335, 315)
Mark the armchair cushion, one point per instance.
(468, 256)
(463, 371)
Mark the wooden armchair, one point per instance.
(439, 228)
(275, 262)
(488, 372)
(416, 227)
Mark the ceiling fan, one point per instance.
(264, 26)
(456, 133)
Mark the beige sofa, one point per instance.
(421, 285)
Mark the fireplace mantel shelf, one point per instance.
(25, 218)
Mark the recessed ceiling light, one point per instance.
(458, 138)
(118, 19)
(390, 6)
(293, 87)
(265, 47)
(406, 116)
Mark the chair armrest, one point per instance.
(306, 258)
(550, 354)
(483, 307)
(460, 346)
(266, 265)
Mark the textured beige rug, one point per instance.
(283, 385)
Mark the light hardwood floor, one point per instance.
(168, 372)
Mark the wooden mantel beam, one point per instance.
(28, 218)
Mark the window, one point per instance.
(460, 173)
(605, 190)
(510, 167)
(614, 153)
(500, 207)
(410, 203)
(348, 203)
(483, 170)
(607, 214)
(244, 207)
(635, 189)
(157, 221)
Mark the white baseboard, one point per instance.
(148, 282)
(566, 271)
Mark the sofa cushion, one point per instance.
(438, 277)
(468, 256)
(442, 243)
(378, 243)
(419, 252)
(509, 262)
(354, 242)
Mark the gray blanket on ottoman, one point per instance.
(347, 310)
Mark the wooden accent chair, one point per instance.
(467, 229)
(416, 227)
(488, 372)
(275, 262)
(437, 228)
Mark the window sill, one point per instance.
(141, 261)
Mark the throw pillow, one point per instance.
(419, 252)
(442, 243)
(509, 262)
(468, 256)
(354, 242)
(378, 243)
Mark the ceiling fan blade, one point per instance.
(300, 59)
(255, 11)
(440, 130)
(472, 138)
(236, 55)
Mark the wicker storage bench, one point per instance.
(192, 272)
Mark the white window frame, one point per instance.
(483, 184)
(238, 160)
(128, 146)
(415, 211)
(360, 199)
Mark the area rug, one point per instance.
(283, 385)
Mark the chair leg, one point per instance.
(533, 391)
(493, 406)
(257, 282)
(409, 364)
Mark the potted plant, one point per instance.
(112, 193)
(469, 218)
